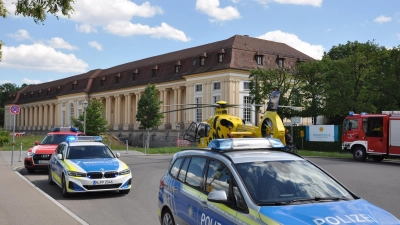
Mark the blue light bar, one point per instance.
(71, 138)
(244, 143)
(89, 138)
(351, 113)
(363, 113)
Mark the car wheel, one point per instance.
(359, 154)
(31, 170)
(124, 192)
(65, 192)
(167, 218)
(50, 178)
(378, 158)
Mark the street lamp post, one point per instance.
(85, 105)
(178, 128)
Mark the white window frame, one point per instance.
(198, 114)
(216, 98)
(198, 85)
(214, 84)
(259, 60)
(247, 109)
(244, 85)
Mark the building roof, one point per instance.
(238, 52)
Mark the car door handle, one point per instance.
(174, 188)
(203, 204)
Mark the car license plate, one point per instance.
(43, 161)
(102, 182)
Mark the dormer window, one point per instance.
(154, 71)
(24, 96)
(221, 55)
(259, 58)
(280, 61)
(177, 67)
(135, 74)
(74, 85)
(39, 93)
(203, 59)
(31, 95)
(102, 81)
(48, 91)
(117, 78)
(58, 89)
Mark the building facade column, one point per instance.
(45, 117)
(137, 97)
(117, 113)
(51, 117)
(108, 110)
(128, 112)
(35, 117)
(40, 117)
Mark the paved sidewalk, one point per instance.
(21, 202)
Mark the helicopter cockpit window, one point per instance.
(203, 130)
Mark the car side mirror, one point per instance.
(36, 143)
(118, 155)
(218, 196)
(59, 156)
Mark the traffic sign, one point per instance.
(14, 109)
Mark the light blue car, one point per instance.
(253, 181)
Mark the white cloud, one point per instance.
(212, 9)
(316, 3)
(30, 81)
(164, 31)
(96, 45)
(329, 30)
(315, 51)
(5, 81)
(110, 14)
(85, 28)
(41, 57)
(20, 35)
(398, 35)
(58, 42)
(382, 19)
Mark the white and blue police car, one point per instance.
(86, 164)
(252, 181)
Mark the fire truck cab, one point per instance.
(374, 136)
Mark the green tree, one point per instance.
(310, 93)
(149, 108)
(95, 123)
(263, 82)
(37, 9)
(351, 69)
(5, 91)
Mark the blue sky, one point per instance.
(106, 33)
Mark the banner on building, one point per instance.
(322, 133)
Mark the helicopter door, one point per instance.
(190, 134)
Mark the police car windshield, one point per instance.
(54, 139)
(89, 152)
(289, 182)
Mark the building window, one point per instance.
(63, 117)
(117, 79)
(48, 92)
(246, 86)
(79, 103)
(220, 57)
(216, 86)
(198, 88)
(177, 67)
(247, 109)
(259, 60)
(281, 62)
(153, 73)
(71, 113)
(202, 61)
(216, 98)
(80, 111)
(199, 111)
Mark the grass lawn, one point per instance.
(28, 141)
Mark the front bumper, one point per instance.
(84, 184)
(31, 163)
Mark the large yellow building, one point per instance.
(202, 74)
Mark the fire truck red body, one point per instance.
(374, 136)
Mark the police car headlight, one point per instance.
(30, 154)
(76, 174)
(123, 172)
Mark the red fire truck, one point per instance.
(375, 136)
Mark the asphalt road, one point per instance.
(376, 182)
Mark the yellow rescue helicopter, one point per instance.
(224, 125)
